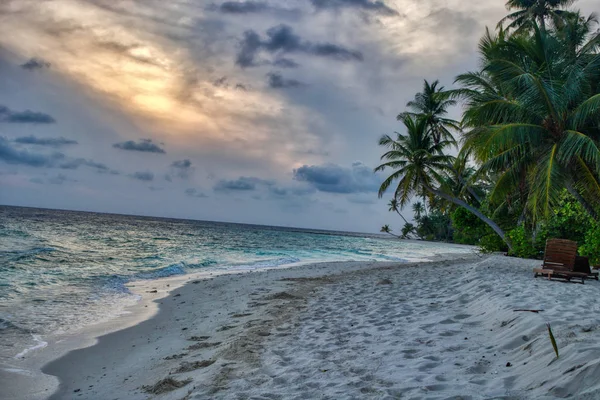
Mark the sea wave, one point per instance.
(276, 262)
(17, 255)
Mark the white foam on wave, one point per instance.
(40, 345)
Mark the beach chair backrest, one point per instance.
(560, 254)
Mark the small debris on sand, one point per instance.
(240, 315)
(165, 385)
(191, 366)
(176, 356)
(203, 345)
(226, 328)
(282, 296)
(199, 338)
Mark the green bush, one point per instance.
(468, 229)
(491, 243)
(570, 220)
(591, 244)
(523, 243)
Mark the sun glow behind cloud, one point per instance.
(140, 71)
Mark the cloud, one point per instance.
(286, 192)
(182, 164)
(60, 179)
(282, 39)
(53, 142)
(242, 7)
(11, 155)
(35, 63)
(283, 62)
(367, 5)
(276, 81)
(24, 117)
(195, 193)
(78, 162)
(144, 145)
(243, 183)
(146, 176)
(333, 178)
(181, 168)
(362, 199)
(254, 7)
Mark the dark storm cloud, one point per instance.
(10, 155)
(366, 5)
(195, 193)
(54, 142)
(143, 176)
(276, 81)
(24, 117)
(333, 178)
(35, 63)
(282, 39)
(144, 145)
(243, 183)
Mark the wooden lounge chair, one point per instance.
(559, 261)
(582, 264)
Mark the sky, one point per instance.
(257, 111)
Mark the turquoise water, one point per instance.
(62, 270)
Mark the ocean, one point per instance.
(63, 270)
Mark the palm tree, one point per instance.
(432, 105)
(418, 209)
(394, 206)
(419, 165)
(407, 230)
(531, 12)
(534, 110)
(387, 229)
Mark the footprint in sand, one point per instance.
(462, 316)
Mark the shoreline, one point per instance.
(349, 329)
(26, 381)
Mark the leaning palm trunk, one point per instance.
(474, 211)
(402, 216)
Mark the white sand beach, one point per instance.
(440, 330)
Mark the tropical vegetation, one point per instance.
(523, 162)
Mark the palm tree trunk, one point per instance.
(471, 191)
(542, 25)
(587, 206)
(402, 216)
(474, 211)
